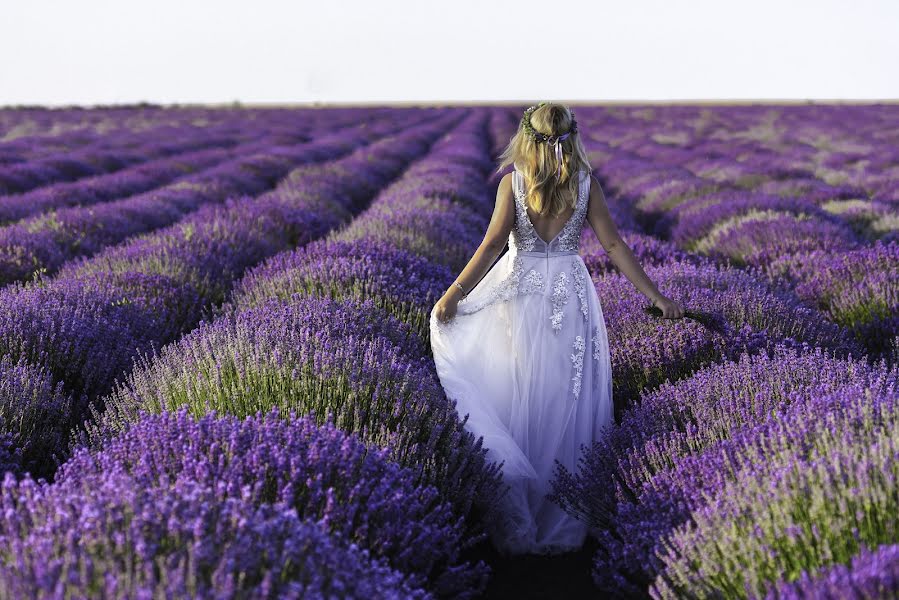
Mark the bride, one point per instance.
(522, 346)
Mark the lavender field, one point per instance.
(216, 379)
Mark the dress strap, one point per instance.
(585, 184)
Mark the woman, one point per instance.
(524, 352)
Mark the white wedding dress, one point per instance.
(526, 357)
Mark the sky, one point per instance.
(64, 52)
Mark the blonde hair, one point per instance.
(537, 161)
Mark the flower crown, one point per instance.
(542, 137)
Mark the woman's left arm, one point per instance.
(621, 254)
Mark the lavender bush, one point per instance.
(648, 475)
(316, 356)
(33, 417)
(805, 492)
(220, 507)
(403, 284)
(859, 289)
(734, 313)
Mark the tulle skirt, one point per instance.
(526, 357)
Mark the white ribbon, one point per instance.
(555, 141)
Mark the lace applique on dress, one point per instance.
(559, 298)
(578, 359)
(512, 285)
(580, 284)
(596, 351)
(504, 290)
(533, 282)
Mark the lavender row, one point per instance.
(112, 152)
(133, 179)
(731, 312)
(750, 174)
(805, 492)
(87, 325)
(720, 216)
(817, 152)
(719, 219)
(317, 347)
(111, 155)
(30, 134)
(67, 130)
(29, 131)
(858, 289)
(38, 437)
(203, 255)
(311, 357)
(871, 574)
(46, 243)
(646, 479)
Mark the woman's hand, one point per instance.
(670, 309)
(445, 308)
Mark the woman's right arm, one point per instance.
(491, 246)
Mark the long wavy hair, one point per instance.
(537, 161)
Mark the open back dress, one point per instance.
(526, 357)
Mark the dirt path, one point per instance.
(565, 577)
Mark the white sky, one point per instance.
(113, 51)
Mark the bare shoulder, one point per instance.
(595, 198)
(504, 190)
(504, 193)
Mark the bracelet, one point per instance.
(459, 285)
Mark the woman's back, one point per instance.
(565, 229)
(544, 224)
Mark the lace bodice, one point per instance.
(523, 235)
